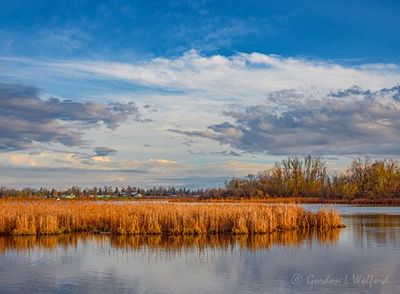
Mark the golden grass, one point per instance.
(57, 217)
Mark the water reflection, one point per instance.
(374, 229)
(200, 242)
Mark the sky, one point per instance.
(192, 93)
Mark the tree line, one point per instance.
(109, 191)
(309, 177)
(292, 177)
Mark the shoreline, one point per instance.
(305, 200)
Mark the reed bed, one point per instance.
(58, 217)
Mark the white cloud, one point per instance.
(101, 158)
(83, 161)
(22, 159)
(241, 75)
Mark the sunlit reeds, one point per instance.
(57, 217)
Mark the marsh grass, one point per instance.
(51, 217)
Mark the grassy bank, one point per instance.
(57, 217)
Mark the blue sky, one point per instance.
(192, 92)
(367, 31)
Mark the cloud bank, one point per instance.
(207, 110)
(245, 76)
(26, 119)
(349, 121)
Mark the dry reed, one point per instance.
(51, 217)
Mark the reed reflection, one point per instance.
(178, 242)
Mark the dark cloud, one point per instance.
(227, 153)
(350, 121)
(394, 92)
(104, 151)
(25, 118)
(355, 90)
(86, 158)
(221, 153)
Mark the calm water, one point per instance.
(362, 258)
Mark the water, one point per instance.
(361, 258)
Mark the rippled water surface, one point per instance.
(363, 257)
